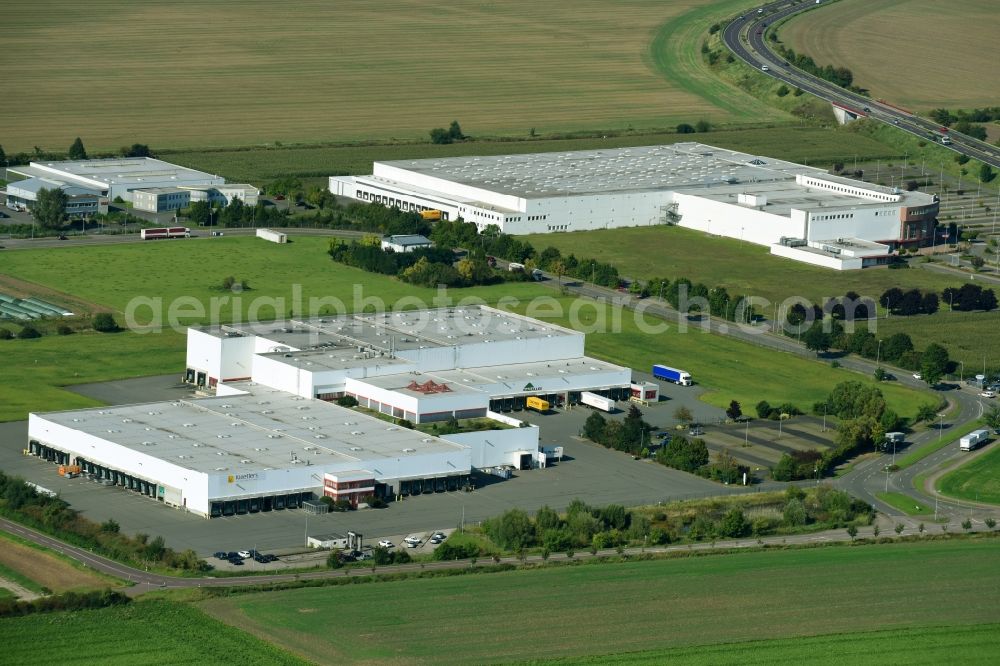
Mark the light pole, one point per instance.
(878, 355)
(746, 434)
(961, 372)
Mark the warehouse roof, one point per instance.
(33, 185)
(551, 376)
(694, 168)
(397, 330)
(262, 430)
(126, 170)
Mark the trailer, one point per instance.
(273, 236)
(158, 233)
(430, 215)
(597, 401)
(973, 440)
(537, 404)
(666, 373)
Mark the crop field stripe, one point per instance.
(893, 48)
(143, 632)
(321, 71)
(575, 611)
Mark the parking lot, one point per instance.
(597, 475)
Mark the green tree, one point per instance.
(333, 560)
(734, 524)
(763, 409)
(899, 528)
(852, 531)
(816, 339)
(734, 411)
(512, 530)
(104, 322)
(28, 332)
(440, 135)
(77, 151)
(50, 207)
(683, 414)
(992, 418)
(546, 519)
(934, 363)
(683, 454)
(455, 131)
(967, 525)
(685, 128)
(794, 513)
(986, 173)
(594, 426)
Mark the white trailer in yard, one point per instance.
(597, 401)
(973, 440)
(273, 236)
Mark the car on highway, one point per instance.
(385, 543)
(917, 375)
(765, 68)
(988, 394)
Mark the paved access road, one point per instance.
(746, 37)
(97, 238)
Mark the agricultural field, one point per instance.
(161, 631)
(314, 164)
(729, 368)
(664, 604)
(37, 568)
(977, 480)
(967, 335)
(956, 68)
(318, 71)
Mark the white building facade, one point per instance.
(759, 200)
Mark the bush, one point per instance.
(6, 334)
(347, 401)
(28, 333)
(63, 329)
(685, 128)
(104, 322)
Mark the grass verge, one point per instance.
(978, 480)
(932, 448)
(904, 503)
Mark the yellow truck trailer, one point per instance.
(537, 404)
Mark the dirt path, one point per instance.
(22, 593)
(46, 569)
(19, 288)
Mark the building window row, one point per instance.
(838, 216)
(558, 227)
(532, 218)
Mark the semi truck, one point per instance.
(156, 233)
(537, 404)
(597, 401)
(666, 373)
(973, 440)
(273, 236)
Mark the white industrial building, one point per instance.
(161, 186)
(271, 437)
(798, 211)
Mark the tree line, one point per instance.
(76, 151)
(968, 297)
(68, 601)
(841, 76)
(53, 515)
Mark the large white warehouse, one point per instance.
(801, 212)
(271, 438)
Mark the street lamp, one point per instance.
(878, 355)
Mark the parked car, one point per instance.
(244, 554)
(237, 562)
(435, 541)
(385, 543)
(222, 555)
(232, 555)
(279, 197)
(917, 375)
(988, 394)
(439, 535)
(412, 539)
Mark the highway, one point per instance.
(746, 37)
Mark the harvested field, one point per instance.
(317, 71)
(46, 569)
(920, 54)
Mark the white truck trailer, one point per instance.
(973, 440)
(597, 401)
(273, 236)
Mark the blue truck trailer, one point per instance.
(666, 373)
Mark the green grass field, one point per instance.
(948, 437)
(317, 71)
(591, 610)
(905, 503)
(314, 164)
(978, 480)
(159, 631)
(190, 272)
(731, 369)
(34, 372)
(742, 268)
(925, 645)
